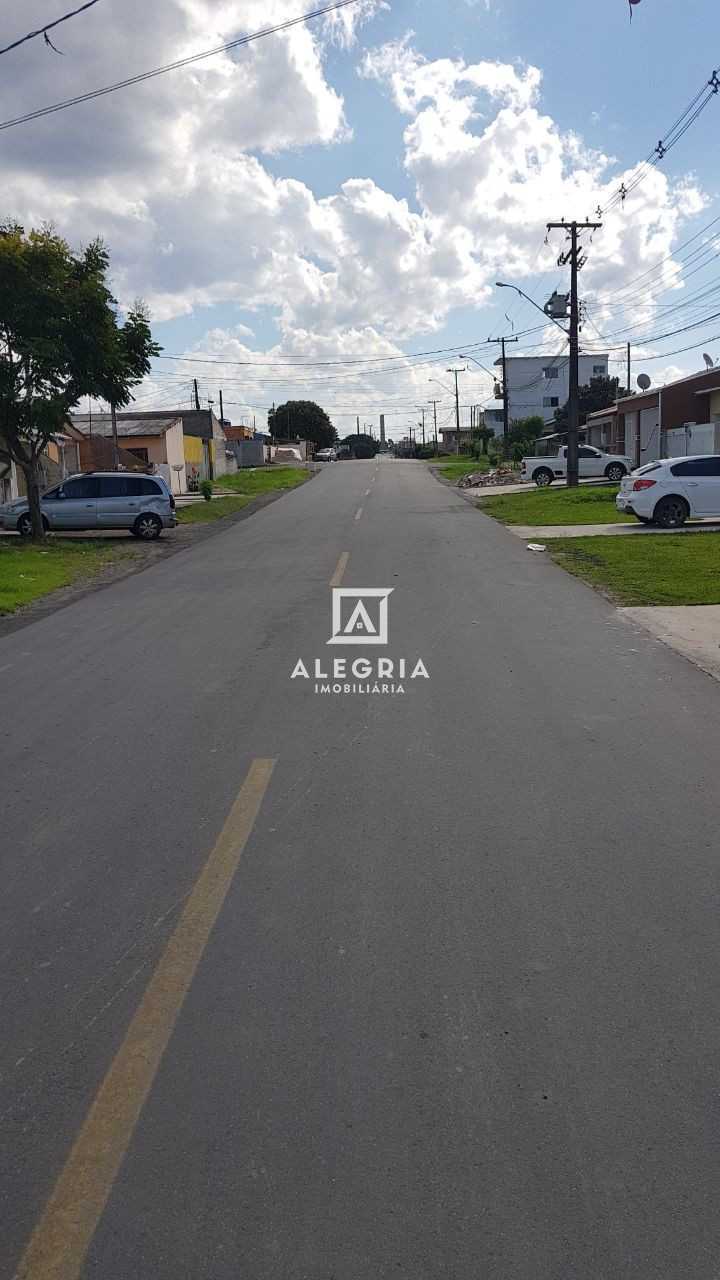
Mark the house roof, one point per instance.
(128, 424)
(602, 413)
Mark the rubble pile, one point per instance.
(501, 475)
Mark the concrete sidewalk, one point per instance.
(692, 630)
(537, 532)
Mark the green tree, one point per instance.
(303, 419)
(361, 445)
(60, 340)
(598, 393)
(522, 435)
(480, 438)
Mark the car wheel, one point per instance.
(671, 513)
(24, 525)
(615, 472)
(147, 527)
(543, 477)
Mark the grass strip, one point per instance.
(682, 568)
(30, 570)
(263, 479)
(588, 504)
(201, 512)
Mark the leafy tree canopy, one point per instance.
(522, 434)
(60, 340)
(598, 393)
(361, 445)
(302, 419)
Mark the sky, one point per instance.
(323, 213)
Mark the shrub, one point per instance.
(205, 487)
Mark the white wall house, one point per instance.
(540, 385)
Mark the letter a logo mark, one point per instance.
(360, 616)
(360, 622)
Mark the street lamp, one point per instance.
(499, 285)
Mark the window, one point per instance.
(550, 402)
(113, 486)
(697, 467)
(551, 371)
(83, 487)
(141, 454)
(585, 452)
(599, 371)
(142, 487)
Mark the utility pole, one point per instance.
(222, 414)
(113, 419)
(422, 424)
(572, 255)
(628, 369)
(434, 404)
(195, 390)
(457, 406)
(505, 395)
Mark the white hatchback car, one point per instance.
(672, 490)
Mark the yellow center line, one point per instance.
(358, 513)
(62, 1236)
(341, 567)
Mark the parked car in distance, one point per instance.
(592, 462)
(99, 500)
(326, 455)
(672, 490)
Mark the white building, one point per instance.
(540, 385)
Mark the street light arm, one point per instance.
(438, 383)
(499, 285)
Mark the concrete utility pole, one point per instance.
(627, 385)
(505, 395)
(222, 414)
(434, 404)
(113, 419)
(457, 406)
(196, 394)
(422, 424)
(572, 255)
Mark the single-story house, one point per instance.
(449, 440)
(644, 420)
(145, 441)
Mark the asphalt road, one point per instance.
(458, 1015)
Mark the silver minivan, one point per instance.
(100, 500)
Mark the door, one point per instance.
(700, 478)
(117, 508)
(590, 462)
(75, 506)
(49, 504)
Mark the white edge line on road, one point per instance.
(358, 513)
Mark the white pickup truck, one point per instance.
(591, 462)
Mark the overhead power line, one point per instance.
(174, 66)
(42, 31)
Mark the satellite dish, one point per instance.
(643, 381)
(708, 360)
